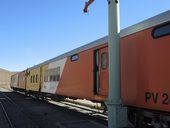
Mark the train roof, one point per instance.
(156, 20)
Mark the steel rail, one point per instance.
(6, 115)
(76, 105)
(27, 116)
(9, 99)
(95, 112)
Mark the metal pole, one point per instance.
(117, 114)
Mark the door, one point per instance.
(101, 71)
(104, 71)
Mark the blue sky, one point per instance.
(33, 31)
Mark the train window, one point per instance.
(56, 77)
(57, 73)
(48, 78)
(36, 78)
(162, 30)
(45, 78)
(52, 75)
(104, 60)
(74, 57)
(31, 80)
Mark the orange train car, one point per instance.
(145, 71)
(144, 61)
(80, 77)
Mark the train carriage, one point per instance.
(14, 81)
(145, 61)
(33, 79)
(21, 81)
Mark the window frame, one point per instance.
(159, 27)
(106, 61)
(31, 79)
(36, 78)
(52, 75)
(74, 59)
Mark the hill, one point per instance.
(5, 77)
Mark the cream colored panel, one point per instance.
(50, 86)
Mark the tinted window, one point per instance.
(162, 30)
(52, 75)
(74, 57)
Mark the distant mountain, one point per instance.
(5, 77)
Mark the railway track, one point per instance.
(13, 115)
(5, 117)
(89, 109)
(30, 112)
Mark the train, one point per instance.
(83, 73)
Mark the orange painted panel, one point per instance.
(145, 72)
(77, 78)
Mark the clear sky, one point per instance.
(33, 31)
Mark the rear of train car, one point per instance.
(145, 68)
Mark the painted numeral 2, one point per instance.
(155, 97)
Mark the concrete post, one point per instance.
(117, 114)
